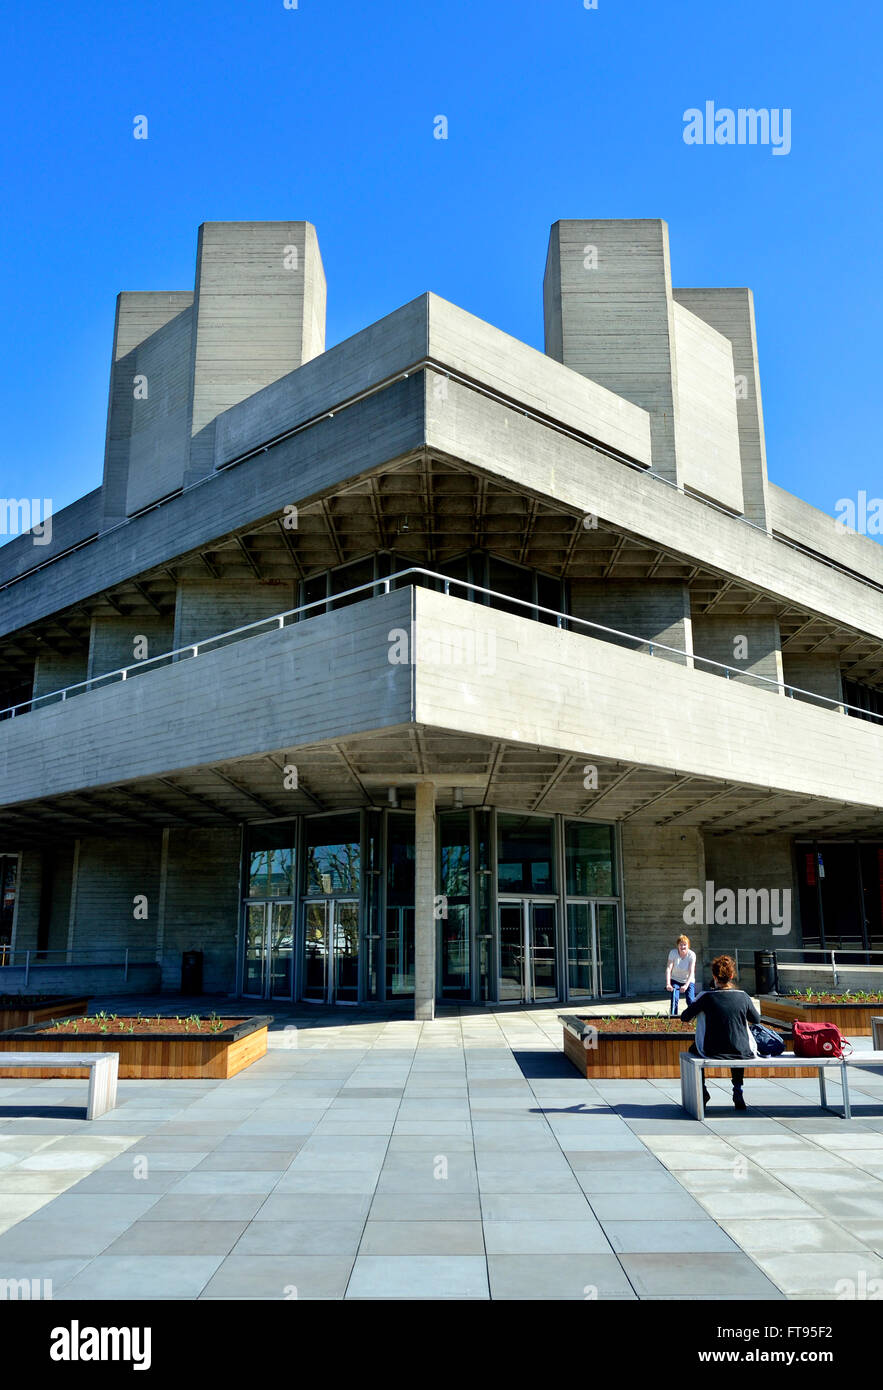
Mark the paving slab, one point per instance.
(720, 1276)
(578, 1277)
(584, 1236)
(303, 1237)
(178, 1238)
(435, 1277)
(422, 1238)
(847, 1276)
(796, 1235)
(142, 1277)
(649, 1234)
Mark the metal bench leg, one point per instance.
(691, 1088)
(102, 1087)
(847, 1110)
(823, 1094)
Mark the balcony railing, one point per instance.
(27, 959)
(371, 588)
(814, 967)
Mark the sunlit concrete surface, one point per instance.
(371, 1156)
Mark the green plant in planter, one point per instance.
(846, 996)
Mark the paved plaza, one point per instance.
(369, 1156)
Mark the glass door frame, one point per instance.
(597, 990)
(618, 902)
(330, 905)
(267, 905)
(528, 983)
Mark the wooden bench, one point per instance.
(103, 1068)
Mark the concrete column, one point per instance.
(655, 610)
(75, 883)
(609, 314)
(659, 863)
(818, 672)
(731, 312)
(206, 607)
(112, 641)
(424, 902)
(750, 644)
(147, 441)
(53, 670)
(259, 313)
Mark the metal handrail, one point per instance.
(34, 951)
(834, 954)
(34, 956)
(192, 649)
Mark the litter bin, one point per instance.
(766, 972)
(191, 972)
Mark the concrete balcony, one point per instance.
(414, 657)
(301, 684)
(533, 684)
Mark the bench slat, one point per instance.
(786, 1060)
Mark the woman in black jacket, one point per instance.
(726, 1012)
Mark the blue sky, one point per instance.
(325, 112)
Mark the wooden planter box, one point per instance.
(633, 1056)
(171, 1056)
(44, 1012)
(851, 1019)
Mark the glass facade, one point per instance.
(515, 588)
(8, 876)
(527, 907)
(590, 860)
(271, 861)
(840, 894)
(455, 855)
(333, 854)
(526, 856)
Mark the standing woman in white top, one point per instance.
(680, 973)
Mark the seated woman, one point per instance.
(726, 1013)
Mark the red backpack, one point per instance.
(818, 1040)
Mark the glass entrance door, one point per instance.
(281, 943)
(592, 949)
(331, 951)
(255, 947)
(528, 950)
(346, 953)
(543, 950)
(512, 984)
(399, 951)
(268, 964)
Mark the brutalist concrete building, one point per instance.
(432, 667)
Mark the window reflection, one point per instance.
(271, 860)
(526, 860)
(590, 859)
(332, 849)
